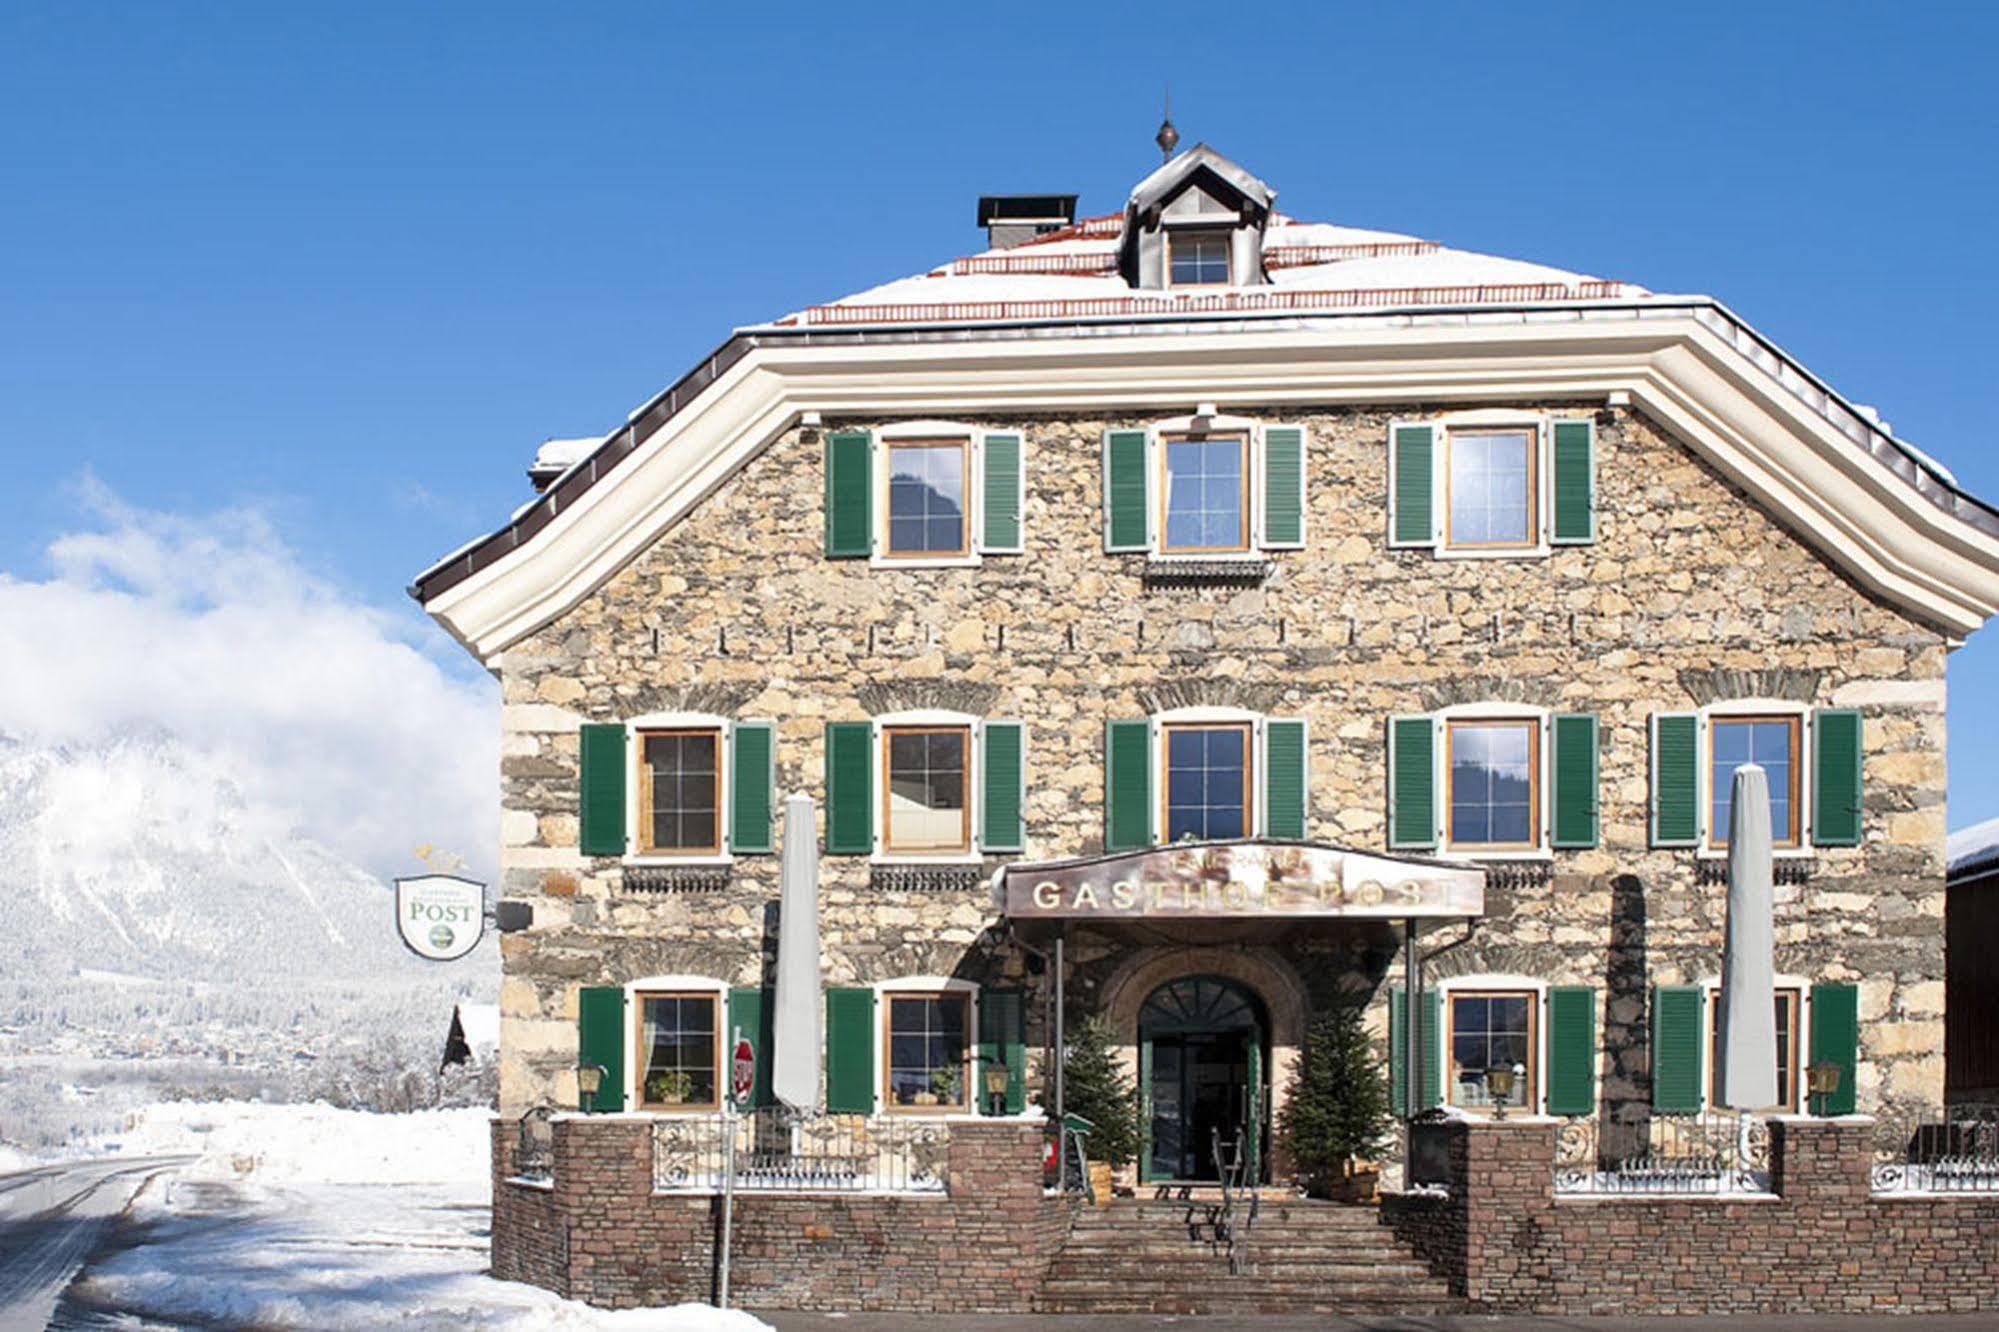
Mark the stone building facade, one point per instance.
(1720, 560)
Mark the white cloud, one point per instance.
(328, 710)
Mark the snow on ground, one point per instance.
(311, 1217)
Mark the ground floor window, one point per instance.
(1490, 1029)
(927, 1049)
(1788, 1008)
(679, 1043)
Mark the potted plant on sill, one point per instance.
(944, 1086)
(1336, 1112)
(669, 1088)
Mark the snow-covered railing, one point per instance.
(1105, 261)
(1713, 1152)
(1949, 1149)
(781, 1150)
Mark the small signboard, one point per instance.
(440, 916)
(743, 1069)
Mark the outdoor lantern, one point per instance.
(589, 1077)
(1499, 1081)
(1821, 1081)
(996, 1078)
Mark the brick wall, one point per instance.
(1825, 1244)
(602, 1235)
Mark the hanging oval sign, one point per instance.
(440, 916)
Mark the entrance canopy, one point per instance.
(1255, 879)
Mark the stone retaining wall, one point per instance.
(601, 1234)
(1823, 1244)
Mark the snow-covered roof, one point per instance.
(1073, 273)
(556, 456)
(1156, 187)
(1971, 850)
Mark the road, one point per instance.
(51, 1218)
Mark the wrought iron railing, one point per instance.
(781, 1150)
(534, 1148)
(1713, 1152)
(1948, 1149)
(1240, 1201)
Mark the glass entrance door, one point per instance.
(1201, 1072)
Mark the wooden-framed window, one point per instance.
(1197, 258)
(925, 801)
(1493, 778)
(1203, 493)
(1208, 780)
(1488, 1029)
(1491, 488)
(1773, 743)
(928, 485)
(927, 1041)
(679, 1045)
(680, 791)
(1789, 1001)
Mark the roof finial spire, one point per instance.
(1168, 137)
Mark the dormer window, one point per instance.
(1199, 258)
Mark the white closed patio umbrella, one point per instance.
(797, 1025)
(1748, 1017)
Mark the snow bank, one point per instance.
(316, 1144)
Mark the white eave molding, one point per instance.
(1691, 368)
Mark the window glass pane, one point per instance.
(926, 1049)
(1199, 259)
(926, 499)
(1206, 779)
(677, 1044)
(1490, 487)
(1766, 742)
(1488, 1032)
(680, 772)
(1492, 784)
(1204, 507)
(926, 790)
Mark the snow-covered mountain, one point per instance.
(142, 856)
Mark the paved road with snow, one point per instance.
(51, 1219)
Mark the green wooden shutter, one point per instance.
(1412, 782)
(1127, 785)
(1001, 782)
(1676, 779)
(1430, 1086)
(850, 1050)
(1003, 1042)
(1001, 493)
(1836, 777)
(1284, 769)
(1575, 483)
(1571, 1050)
(1125, 505)
(1284, 487)
(850, 487)
(601, 754)
(1574, 822)
(1412, 519)
(1836, 1040)
(750, 1013)
(1678, 1041)
(850, 788)
(600, 1040)
(752, 787)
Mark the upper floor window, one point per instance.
(1204, 492)
(1198, 258)
(927, 513)
(1495, 784)
(1772, 744)
(1491, 484)
(927, 808)
(1208, 769)
(680, 791)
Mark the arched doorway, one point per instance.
(1203, 1073)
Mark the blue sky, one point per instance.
(344, 266)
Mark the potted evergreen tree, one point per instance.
(1097, 1088)
(1336, 1112)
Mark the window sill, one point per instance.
(923, 561)
(1493, 553)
